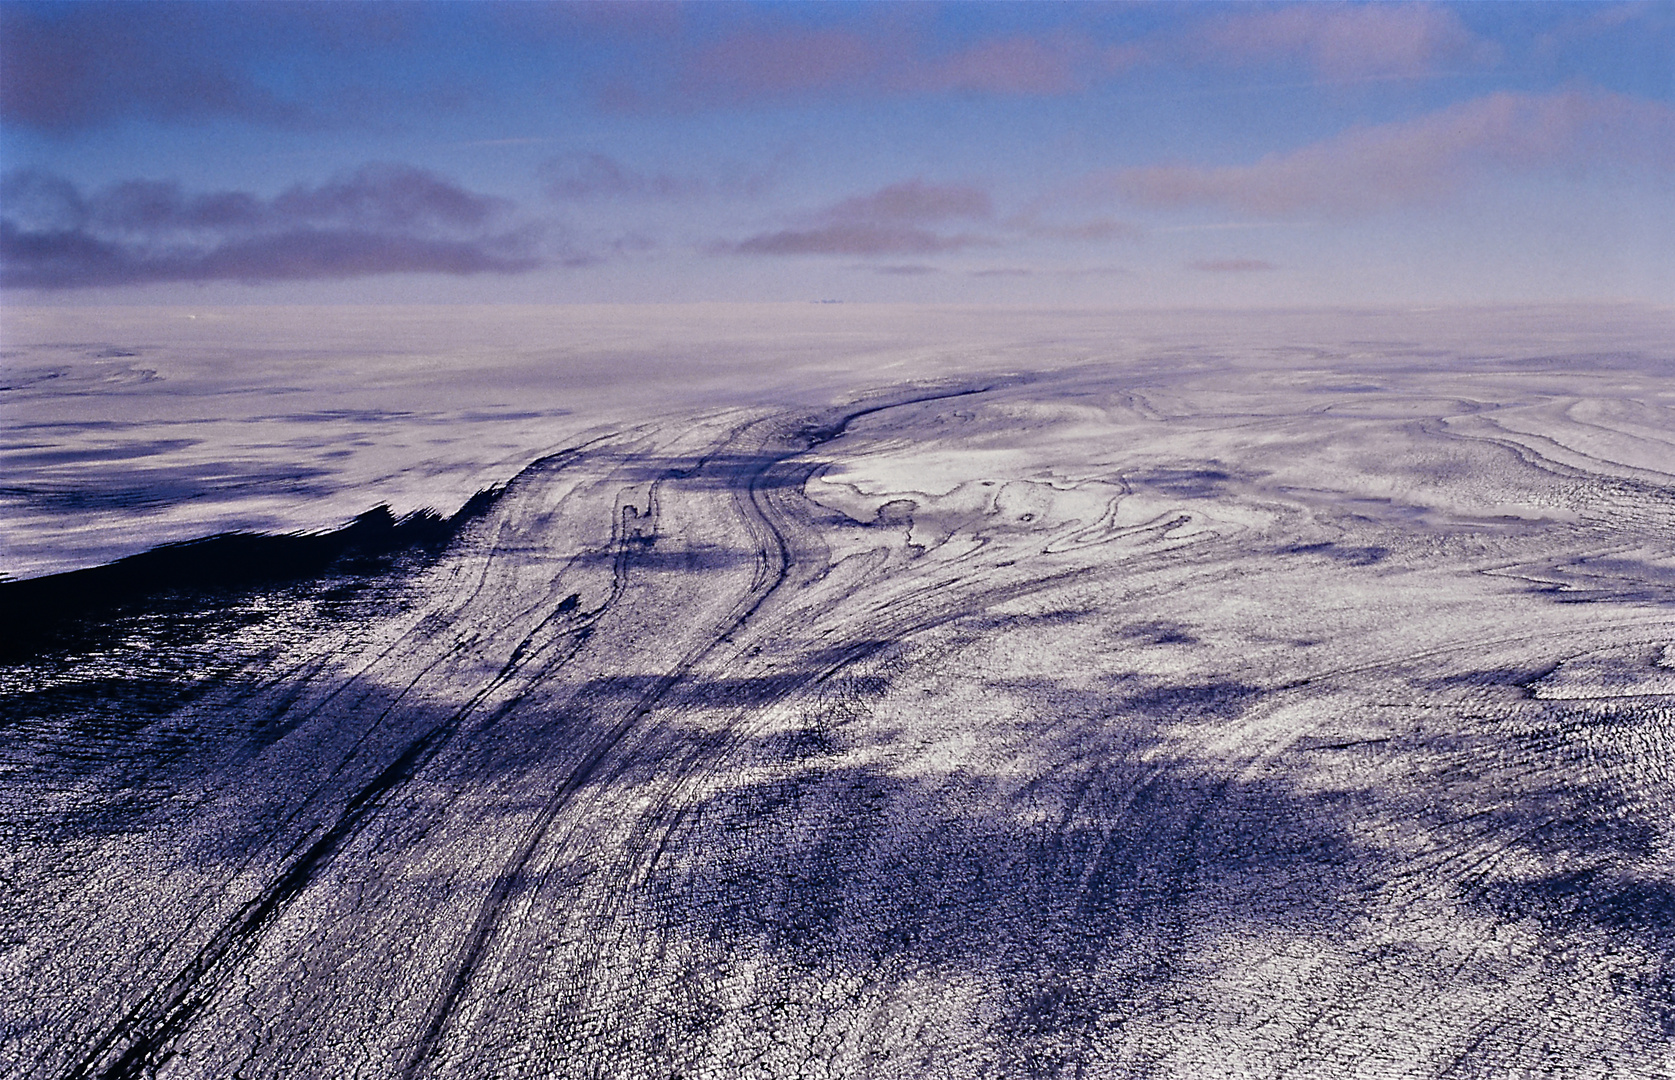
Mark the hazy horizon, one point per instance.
(138, 425)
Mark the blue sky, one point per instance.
(1111, 154)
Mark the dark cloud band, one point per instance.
(381, 219)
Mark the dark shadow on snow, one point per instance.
(64, 610)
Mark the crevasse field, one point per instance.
(833, 691)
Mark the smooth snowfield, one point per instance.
(1224, 703)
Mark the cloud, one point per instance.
(88, 64)
(771, 63)
(381, 219)
(853, 239)
(1346, 41)
(893, 220)
(582, 175)
(596, 176)
(913, 201)
(70, 67)
(915, 218)
(388, 197)
(1018, 66)
(1649, 22)
(905, 270)
(1092, 231)
(1096, 271)
(888, 59)
(1232, 266)
(1374, 168)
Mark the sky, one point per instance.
(1149, 155)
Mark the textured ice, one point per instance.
(850, 692)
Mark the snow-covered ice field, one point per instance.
(844, 691)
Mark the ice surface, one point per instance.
(124, 428)
(850, 693)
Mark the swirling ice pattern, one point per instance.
(1084, 723)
